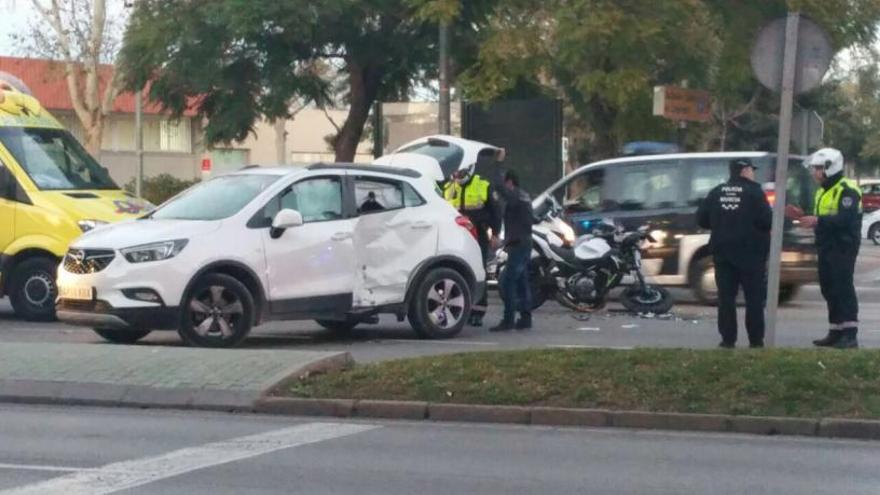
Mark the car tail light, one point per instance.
(466, 223)
(771, 197)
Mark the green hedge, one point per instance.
(160, 188)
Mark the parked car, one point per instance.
(663, 191)
(870, 195)
(339, 244)
(871, 227)
(51, 191)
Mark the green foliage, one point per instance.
(160, 188)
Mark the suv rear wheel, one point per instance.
(218, 312)
(32, 289)
(440, 304)
(702, 283)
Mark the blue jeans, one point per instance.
(515, 282)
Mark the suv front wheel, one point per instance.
(218, 312)
(440, 304)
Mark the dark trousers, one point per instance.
(836, 267)
(479, 309)
(515, 282)
(729, 277)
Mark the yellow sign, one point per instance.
(684, 105)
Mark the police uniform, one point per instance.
(838, 206)
(475, 200)
(740, 218)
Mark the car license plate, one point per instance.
(76, 292)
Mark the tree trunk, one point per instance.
(94, 137)
(364, 82)
(281, 141)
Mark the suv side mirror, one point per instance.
(285, 219)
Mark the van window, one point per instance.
(646, 186)
(705, 175)
(54, 160)
(583, 193)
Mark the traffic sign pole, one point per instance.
(781, 179)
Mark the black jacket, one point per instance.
(843, 230)
(740, 218)
(518, 216)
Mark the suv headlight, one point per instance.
(154, 252)
(87, 225)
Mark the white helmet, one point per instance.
(828, 158)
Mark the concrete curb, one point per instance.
(565, 417)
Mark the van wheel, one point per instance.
(122, 336)
(874, 233)
(702, 281)
(33, 291)
(217, 312)
(440, 304)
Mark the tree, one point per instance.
(79, 35)
(236, 61)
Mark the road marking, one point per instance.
(579, 346)
(38, 467)
(589, 329)
(130, 474)
(442, 342)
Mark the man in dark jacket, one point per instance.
(740, 218)
(518, 221)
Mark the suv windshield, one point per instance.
(54, 160)
(215, 199)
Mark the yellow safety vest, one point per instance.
(827, 202)
(476, 194)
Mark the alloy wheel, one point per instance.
(216, 312)
(446, 303)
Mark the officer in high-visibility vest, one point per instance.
(472, 195)
(837, 219)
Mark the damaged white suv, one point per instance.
(339, 244)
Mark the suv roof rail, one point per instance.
(366, 168)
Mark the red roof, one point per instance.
(46, 80)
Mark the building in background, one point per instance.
(177, 147)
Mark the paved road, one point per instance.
(75, 451)
(694, 326)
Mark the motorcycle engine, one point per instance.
(583, 286)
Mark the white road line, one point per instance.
(130, 474)
(443, 342)
(38, 467)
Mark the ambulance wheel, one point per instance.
(32, 289)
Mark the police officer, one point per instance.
(473, 196)
(837, 219)
(740, 218)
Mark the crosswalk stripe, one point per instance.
(130, 474)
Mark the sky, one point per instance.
(13, 15)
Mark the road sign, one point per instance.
(682, 105)
(814, 55)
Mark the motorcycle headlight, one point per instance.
(87, 225)
(154, 252)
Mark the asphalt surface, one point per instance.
(692, 325)
(74, 451)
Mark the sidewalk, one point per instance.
(142, 376)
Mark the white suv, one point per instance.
(339, 244)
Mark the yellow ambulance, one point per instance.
(51, 191)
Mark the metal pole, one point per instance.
(378, 130)
(781, 179)
(139, 140)
(805, 132)
(443, 115)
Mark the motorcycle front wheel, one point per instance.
(540, 292)
(653, 299)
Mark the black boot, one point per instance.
(524, 322)
(505, 325)
(847, 339)
(476, 320)
(829, 340)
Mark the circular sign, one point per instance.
(814, 55)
